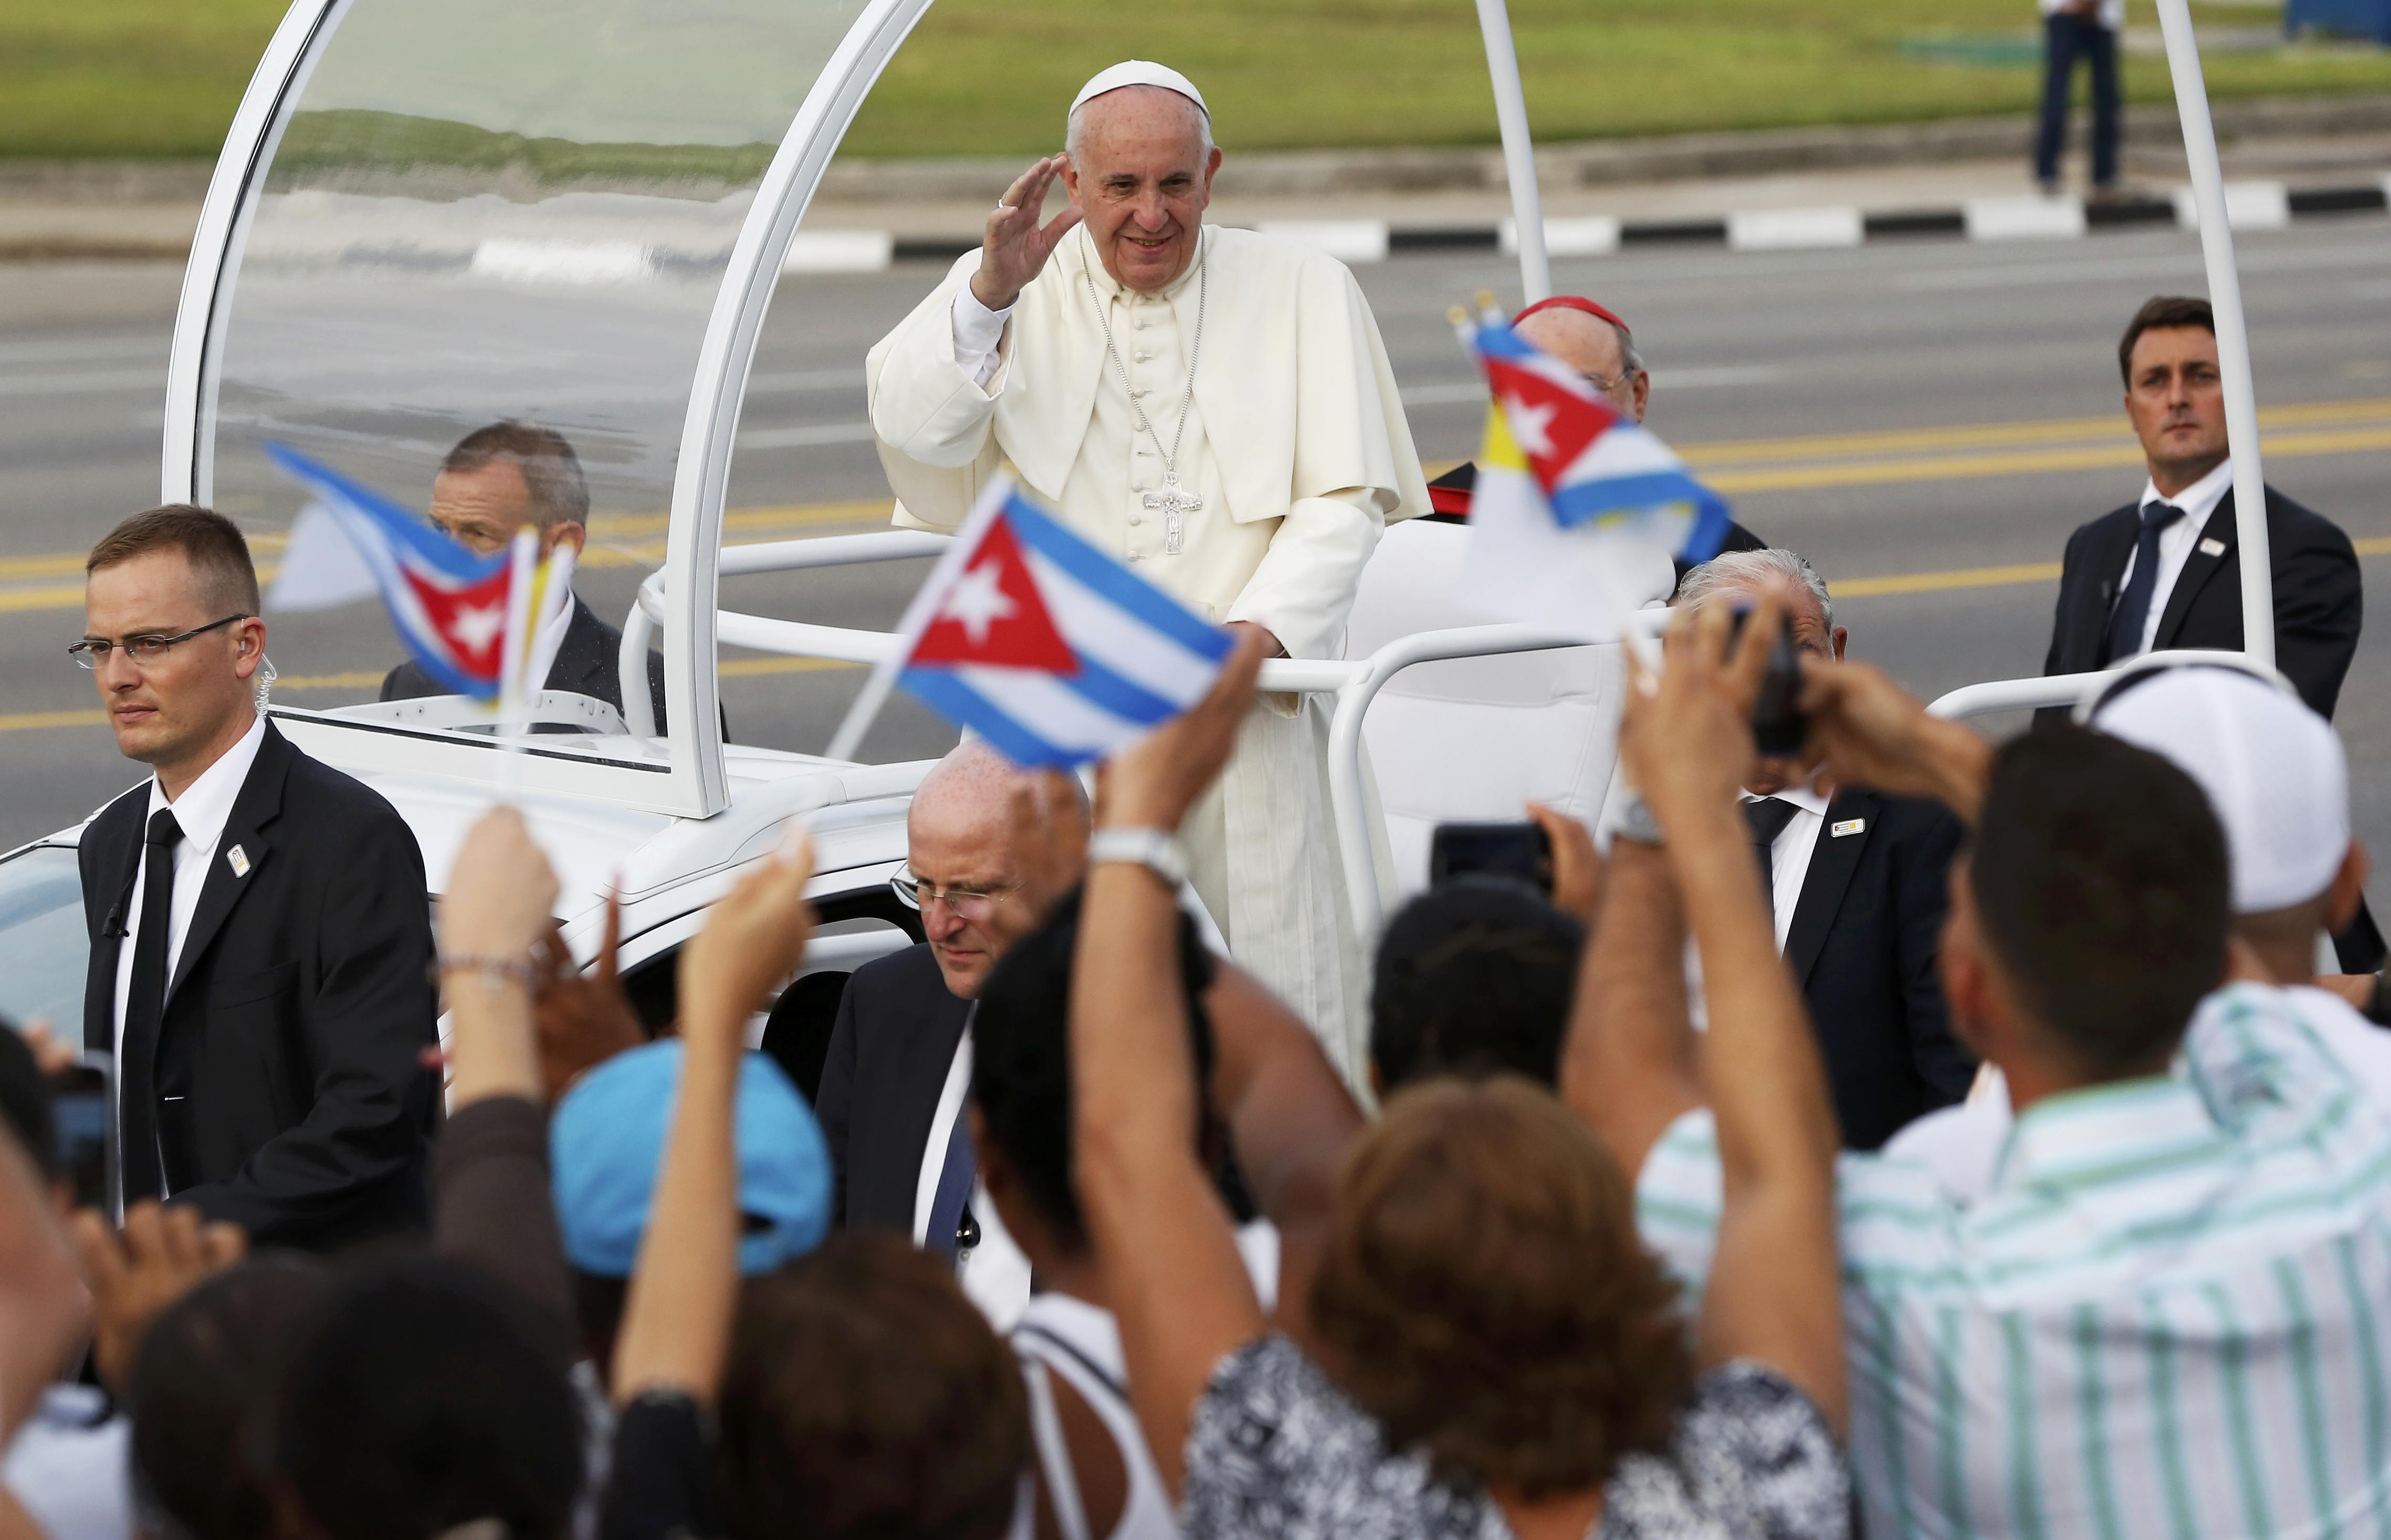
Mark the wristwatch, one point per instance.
(1152, 848)
(1636, 822)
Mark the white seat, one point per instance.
(1474, 738)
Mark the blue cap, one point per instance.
(606, 1146)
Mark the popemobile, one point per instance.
(364, 293)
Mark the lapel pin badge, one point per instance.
(1848, 825)
(238, 859)
(2212, 546)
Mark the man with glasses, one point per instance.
(261, 946)
(1592, 341)
(988, 847)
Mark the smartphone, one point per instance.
(1778, 726)
(83, 1110)
(1522, 851)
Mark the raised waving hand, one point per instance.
(1015, 246)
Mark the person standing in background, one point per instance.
(2087, 30)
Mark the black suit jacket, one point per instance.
(2317, 603)
(291, 1095)
(587, 662)
(890, 1051)
(1863, 945)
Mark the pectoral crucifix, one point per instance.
(1174, 503)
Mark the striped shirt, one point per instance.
(2166, 1317)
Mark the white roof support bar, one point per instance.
(2233, 332)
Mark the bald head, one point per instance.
(1593, 347)
(1142, 112)
(964, 848)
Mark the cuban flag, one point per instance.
(1578, 510)
(1039, 642)
(450, 605)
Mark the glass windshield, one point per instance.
(479, 216)
(44, 944)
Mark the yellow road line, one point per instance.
(742, 668)
(1935, 582)
(1993, 435)
(1959, 467)
(23, 719)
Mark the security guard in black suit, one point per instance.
(261, 937)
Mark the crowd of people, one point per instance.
(1892, 1133)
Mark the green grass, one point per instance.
(161, 77)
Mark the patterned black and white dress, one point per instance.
(1278, 1451)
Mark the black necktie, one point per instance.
(2134, 606)
(145, 1005)
(1767, 816)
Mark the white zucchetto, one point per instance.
(1139, 71)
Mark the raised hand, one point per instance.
(1015, 246)
(1152, 783)
(753, 939)
(160, 1256)
(582, 1020)
(1686, 738)
(1874, 734)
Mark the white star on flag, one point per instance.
(477, 624)
(978, 601)
(1527, 425)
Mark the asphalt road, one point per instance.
(1921, 420)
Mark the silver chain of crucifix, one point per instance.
(1173, 501)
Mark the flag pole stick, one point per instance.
(861, 715)
(521, 558)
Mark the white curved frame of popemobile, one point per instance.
(681, 600)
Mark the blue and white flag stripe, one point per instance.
(1142, 657)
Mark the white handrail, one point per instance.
(2232, 331)
(2066, 689)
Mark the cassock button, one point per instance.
(1132, 555)
(1143, 357)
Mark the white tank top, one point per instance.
(1057, 1334)
(1061, 1335)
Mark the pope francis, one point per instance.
(1214, 406)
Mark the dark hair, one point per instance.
(2165, 313)
(2100, 883)
(424, 1400)
(1488, 1297)
(1021, 1056)
(560, 493)
(866, 1396)
(212, 544)
(1474, 977)
(203, 1395)
(25, 1103)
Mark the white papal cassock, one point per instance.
(1297, 443)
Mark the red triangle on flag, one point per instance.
(472, 621)
(1551, 424)
(992, 614)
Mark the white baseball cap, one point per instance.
(1139, 71)
(2273, 770)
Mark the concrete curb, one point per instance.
(1285, 173)
(2249, 206)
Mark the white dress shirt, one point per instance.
(978, 333)
(1788, 856)
(2108, 13)
(994, 1274)
(202, 810)
(2176, 541)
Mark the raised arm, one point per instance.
(493, 1203)
(1290, 1119)
(677, 1316)
(1629, 1066)
(1774, 1290)
(1169, 1254)
(1875, 734)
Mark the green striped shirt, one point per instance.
(2166, 1318)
